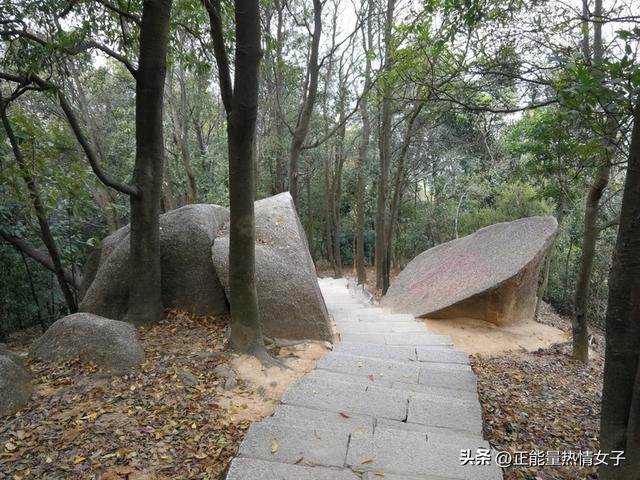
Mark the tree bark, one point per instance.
(145, 296)
(246, 333)
(592, 205)
(38, 206)
(241, 105)
(399, 181)
(363, 153)
(384, 147)
(309, 100)
(620, 420)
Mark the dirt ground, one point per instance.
(174, 418)
(480, 337)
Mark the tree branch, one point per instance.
(215, 20)
(42, 258)
(104, 177)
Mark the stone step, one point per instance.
(379, 327)
(291, 444)
(312, 418)
(253, 469)
(411, 339)
(370, 367)
(414, 455)
(404, 353)
(336, 399)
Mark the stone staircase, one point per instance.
(391, 401)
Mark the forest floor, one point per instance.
(172, 419)
(538, 401)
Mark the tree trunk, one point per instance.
(327, 215)
(384, 146)
(363, 154)
(542, 288)
(399, 181)
(591, 230)
(180, 134)
(310, 236)
(620, 420)
(336, 196)
(38, 206)
(246, 333)
(311, 91)
(145, 296)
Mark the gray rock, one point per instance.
(15, 383)
(491, 275)
(289, 298)
(12, 355)
(110, 344)
(189, 280)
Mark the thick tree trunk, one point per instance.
(620, 420)
(145, 297)
(311, 91)
(384, 147)
(38, 206)
(246, 333)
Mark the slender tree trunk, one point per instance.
(304, 119)
(38, 206)
(592, 206)
(336, 196)
(145, 296)
(180, 114)
(542, 288)
(100, 194)
(384, 147)
(310, 235)
(399, 181)
(327, 216)
(281, 170)
(363, 154)
(620, 420)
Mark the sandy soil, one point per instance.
(268, 384)
(480, 337)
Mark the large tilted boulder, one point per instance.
(111, 344)
(289, 298)
(490, 275)
(189, 281)
(15, 383)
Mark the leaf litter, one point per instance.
(171, 419)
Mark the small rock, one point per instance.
(230, 383)
(110, 344)
(222, 371)
(187, 377)
(15, 385)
